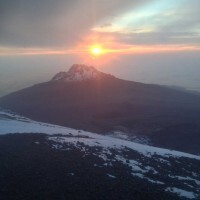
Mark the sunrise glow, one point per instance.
(96, 50)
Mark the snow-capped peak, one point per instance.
(78, 72)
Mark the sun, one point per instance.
(96, 50)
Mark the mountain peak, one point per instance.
(81, 67)
(78, 72)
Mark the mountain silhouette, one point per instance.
(88, 99)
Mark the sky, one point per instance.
(152, 41)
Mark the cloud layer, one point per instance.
(63, 24)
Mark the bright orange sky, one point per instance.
(118, 27)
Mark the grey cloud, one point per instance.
(182, 26)
(161, 38)
(50, 23)
(106, 25)
(185, 17)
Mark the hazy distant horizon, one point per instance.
(149, 41)
(174, 69)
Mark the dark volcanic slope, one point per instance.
(31, 169)
(33, 166)
(169, 117)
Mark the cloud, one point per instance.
(158, 22)
(62, 24)
(51, 23)
(157, 37)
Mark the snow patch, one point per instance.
(103, 147)
(181, 193)
(78, 72)
(111, 176)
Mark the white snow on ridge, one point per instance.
(186, 178)
(110, 142)
(78, 72)
(12, 123)
(182, 193)
(18, 124)
(24, 125)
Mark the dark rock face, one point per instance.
(169, 117)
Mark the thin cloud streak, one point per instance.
(129, 49)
